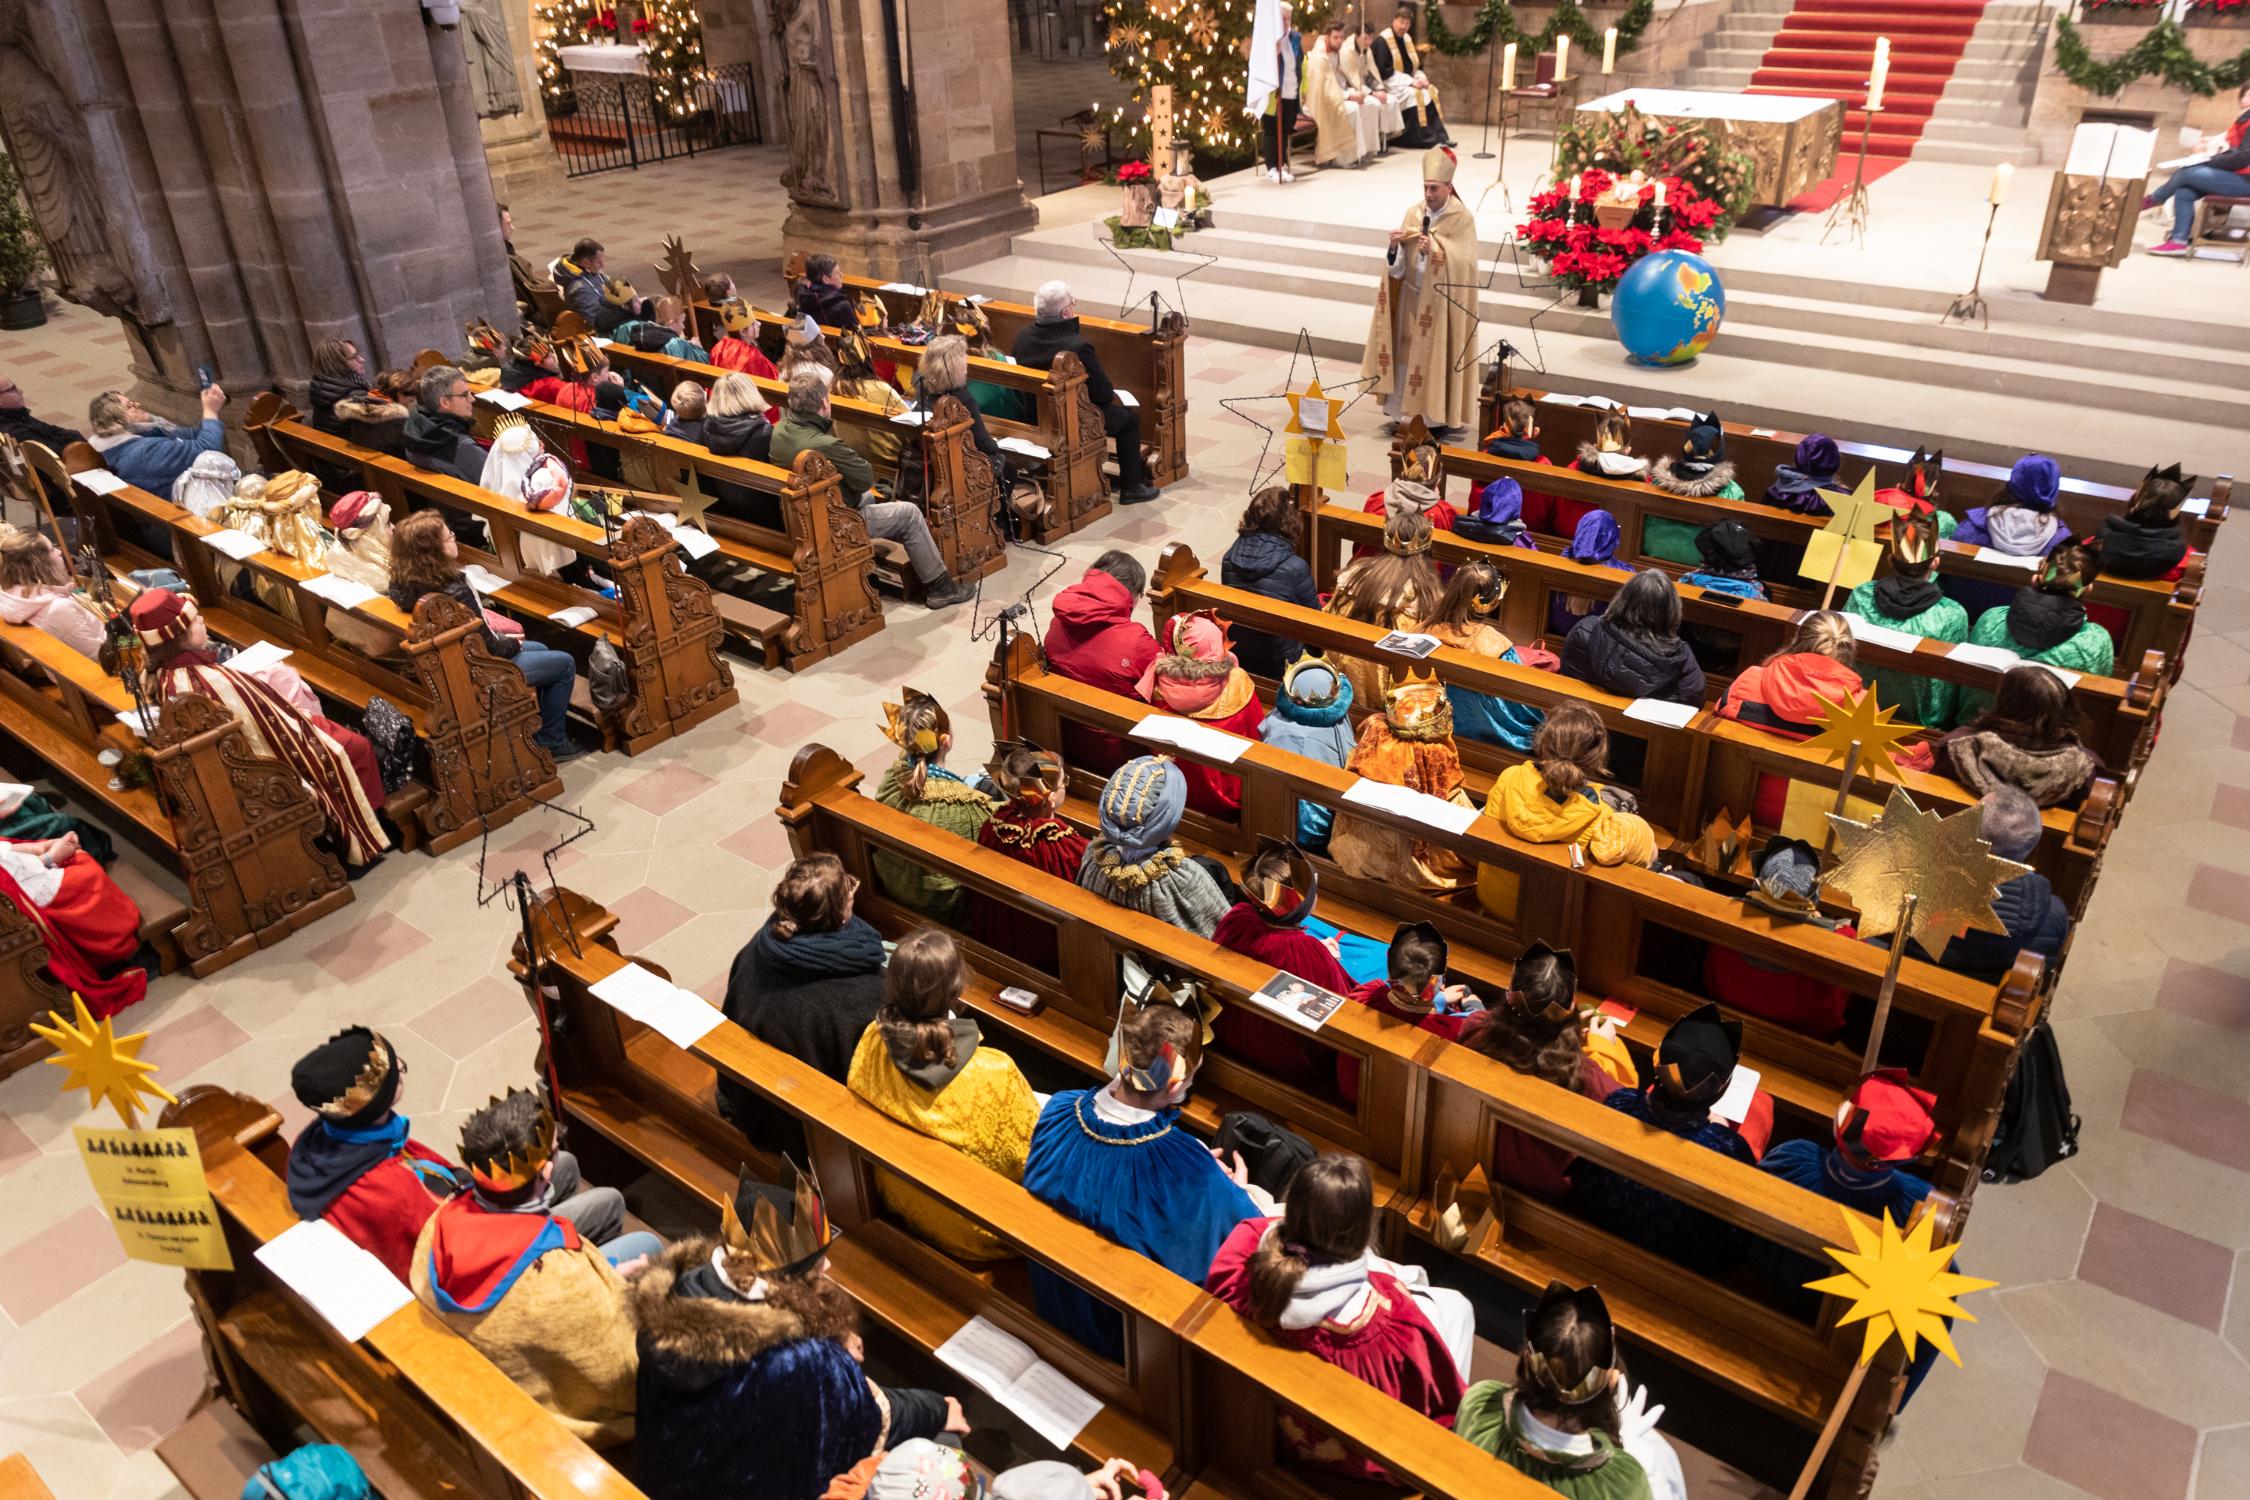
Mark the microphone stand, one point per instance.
(1491, 65)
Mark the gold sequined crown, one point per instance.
(617, 291)
(373, 1074)
(1416, 702)
(518, 1164)
(924, 739)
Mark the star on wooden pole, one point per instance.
(1943, 865)
(1844, 552)
(1899, 1284)
(1859, 733)
(104, 1064)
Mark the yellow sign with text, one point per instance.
(152, 1187)
(1311, 461)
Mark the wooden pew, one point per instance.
(1757, 453)
(1424, 1105)
(422, 1411)
(1609, 916)
(663, 622)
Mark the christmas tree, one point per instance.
(668, 32)
(1199, 47)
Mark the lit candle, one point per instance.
(1508, 68)
(1660, 193)
(1609, 51)
(1882, 73)
(1562, 58)
(2000, 178)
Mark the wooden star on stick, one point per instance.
(678, 272)
(1899, 1284)
(1944, 863)
(1860, 722)
(104, 1064)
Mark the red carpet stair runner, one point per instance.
(1826, 50)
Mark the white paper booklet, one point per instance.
(1662, 711)
(658, 1004)
(1734, 1104)
(1435, 812)
(1005, 1368)
(1187, 734)
(347, 1286)
(257, 655)
(1871, 634)
(235, 544)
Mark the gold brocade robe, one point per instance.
(1422, 342)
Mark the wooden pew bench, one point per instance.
(1424, 1105)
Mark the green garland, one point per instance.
(2162, 53)
(1497, 19)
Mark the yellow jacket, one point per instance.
(985, 1111)
(1521, 805)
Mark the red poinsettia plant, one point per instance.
(1133, 171)
(1582, 255)
(642, 26)
(2221, 7)
(604, 20)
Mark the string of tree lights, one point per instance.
(1196, 46)
(668, 32)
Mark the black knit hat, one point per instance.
(1697, 1056)
(350, 1080)
(1727, 547)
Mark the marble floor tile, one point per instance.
(60, 1262)
(145, 1396)
(2155, 1264)
(2108, 1446)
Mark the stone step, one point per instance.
(2020, 151)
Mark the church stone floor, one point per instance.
(2111, 1362)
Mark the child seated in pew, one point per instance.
(213, 480)
(518, 467)
(924, 1064)
(749, 1380)
(688, 405)
(1700, 472)
(1410, 745)
(356, 1166)
(664, 331)
(2047, 621)
(1394, 589)
(503, 1267)
(1412, 989)
(91, 928)
(1135, 862)
(1264, 559)
(2027, 740)
(1312, 717)
(1116, 1160)
(734, 426)
(1412, 492)
(856, 380)
(1908, 598)
(1610, 455)
(1196, 676)
(1634, 648)
(737, 348)
(1814, 470)
(1028, 826)
(1537, 1029)
(1726, 561)
(1556, 797)
(1496, 516)
(1595, 544)
(1269, 924)
(279, 716)
(2027, 905)
(1695, 1063)
(37, 589)
(918, 785)
(1463, 620)
(2146, 541)
(1312, 1279)
(1789, 886)
(1782, 695)
(1570, 1420)
(1517, 436)
(2022, 520)
(1095, 639)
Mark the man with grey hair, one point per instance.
(808, 427)
(437, 438)
(1054, 330)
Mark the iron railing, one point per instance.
(602, 122)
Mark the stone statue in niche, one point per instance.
(808, 79)
(492, 59)
(47, 141)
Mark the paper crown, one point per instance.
(867, 311)
(972, 323)
(1289, 902)
(1420, 464)
(852, 352)
(1697, 1056)
(1427, 932)
(1166, 1070)
(2178, 485)
(925, 739)
(735, 315)
(1592, 1310)
(484, 338)
(1040, 772)
(769, 1244)
(519, 1163)
(2071, 568)
(1554, 1009)
(804, 333)
(1311, 661)
(532, 347)
(374, 1077)
(1923, 473)
(1416, 706)
(618, 292)
(512, 434)
(577, 356)
(1914, 537)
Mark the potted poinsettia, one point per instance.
(2120, 12)
(21, 255)
(2218, 13)
(1589, 244)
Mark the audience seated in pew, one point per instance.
(803, 347)
(343, 404)
(279, 716)
(1556, 797)
(425, 559)
(2027, 738)
(1196, 676)
(356, 1165)
(1395, 589)
(2047, 622)
(821, 295)
(91, 928)
(1265, 558)
(210, 483)
(1412, 989)
(604, 303)
(1595, 544)
(1815, 473)
(1569, 1420)
(856, 380)
(664, 331)
(1407, 495)
(1093, 638)
(37, 589)
(2027, 905)
(1726, 561)
(505, 1265)
(147, 452)
(1694, 1064)
(17, 421)
(1136, 862)
(2023, 521)
(1116, 1160)
(1463, 620)
(1610, 455)
(944, 371)
(437, 435)
(1409, 744)
(1908, 598)
(1701, 471)
(1496, 516)
(1312, 1278)
(1537, 1029)
(1788, 876)
(359, 539)
(1279, 890)
(688, 404)
(27, 817)
(918, 785)
(1633, 648)
(924, 1064)
(1517, 438)
(735, 426)
(733, 351)
(518, 467)
(1312, 717)
(1054, 331)
(1027, 825)
(2146, 540)
(1782, 694)
(1002, 402)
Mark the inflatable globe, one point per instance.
(1668, 307)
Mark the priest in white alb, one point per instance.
(1350, 124)
(1357, 70)
(1422, 343)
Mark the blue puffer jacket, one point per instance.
(1266, 564)
(2035, 919)
(154, 456)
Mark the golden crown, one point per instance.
(1415, 701)
(924, 741)
(768, 1246)
(517, 1166)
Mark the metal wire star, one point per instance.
(1179, 295)
(1944, 863)
(1510, 248)
(1288, 395)
(1899, 1284)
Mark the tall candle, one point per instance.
(1882, 72)
(1659, 192)
(1571, 216)
(2000, 179)
(1609, 50)
(1508, 68)
(1562, 58)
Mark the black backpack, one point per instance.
(2037, 1128)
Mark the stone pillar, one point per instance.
(236, 180)
(516, 148)
(890, 190)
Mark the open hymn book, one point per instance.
(1004, 1368)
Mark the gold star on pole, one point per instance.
(1861, 721)
(105, 1065)
(1899, 1284)
(1844, 552)
(1943, 862)
(1321, 409)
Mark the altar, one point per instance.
(1793, 139)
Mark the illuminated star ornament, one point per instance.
(1899, 1284)
(104, 1064)
(1943, 863)
(1860, 721)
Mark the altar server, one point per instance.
(1421, 343)
(1399, 60)
(1351, 123)
(1356, 68)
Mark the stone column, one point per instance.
(899, 191)
(236, 180)
(516, 148)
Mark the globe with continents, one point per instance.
(1668, 307)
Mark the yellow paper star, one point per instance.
(1899, 1284)
(1943, 862)
(1841, 724)
(1843, 553)
(1329, 429)
(105, 1065)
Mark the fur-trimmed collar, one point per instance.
(1592, 460)
(369, 407)
(716, 1333)
(1665, 477)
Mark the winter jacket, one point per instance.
(441, 443)
(325, 394)
(56, 609)
(407, 595)
(18, 422)
(978, 433)
(811, 995)
(1782, 695)
(2048, 628)
(1093, 638)
(979, 1105)
(1480, 716)
(1321, 732)
(798, 434)
(2056, 776)
(1265, 564)
(830, 306)
(655, 338)
(153, 456)
(1521, 804)
(1925, 700)
(2035, 918)
(2135, 549)
(1600, 653)
(587, 293)
(1040, 340)
(948, 804)
(750, 436)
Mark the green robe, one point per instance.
(1925, 700)
(36, 819)
(1608, 1473)
(1674, 541)
(947, 802)
(2090, 653)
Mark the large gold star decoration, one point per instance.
(1899, 1284)
(1861, 720)
(104, 1064)
(1323, 413)
(1844, 552)
(1943, 862)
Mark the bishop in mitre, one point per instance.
(1421, 346)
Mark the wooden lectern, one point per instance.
(2095, 202)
